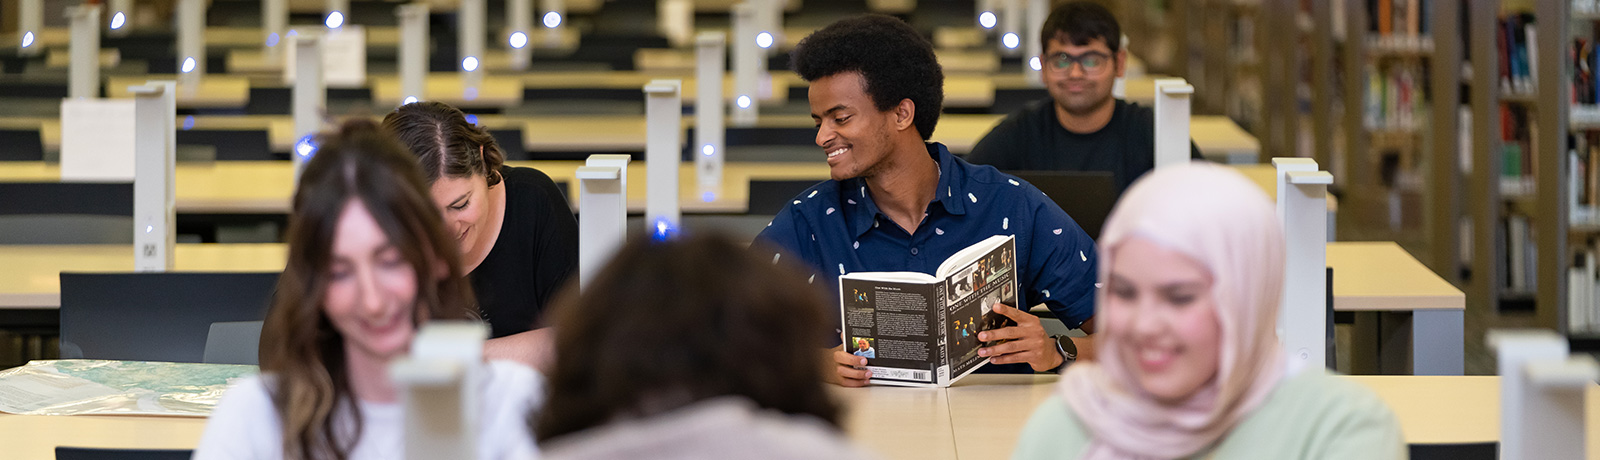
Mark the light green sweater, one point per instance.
(1311, 415)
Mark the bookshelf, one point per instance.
(1402, 72)
(1520, 96)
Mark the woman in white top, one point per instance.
(369, 261)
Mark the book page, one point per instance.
(974, 289)
(891, 324)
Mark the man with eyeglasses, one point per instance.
(1080, 127)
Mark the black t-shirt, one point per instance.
(1032, 139)
(536, 251)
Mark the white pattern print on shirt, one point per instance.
(813, 193)
(841, 269)
(974, 198)
(938, 231)
(1014, 182)
(1005, 224)
(1081, 256)
(855, 245)
(1056, 231)
(775, 257)
(1046, 293)
(829, 211)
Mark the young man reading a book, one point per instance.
(1080, 127)
(897, 202)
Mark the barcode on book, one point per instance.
(900, 374)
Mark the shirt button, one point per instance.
(913, 251)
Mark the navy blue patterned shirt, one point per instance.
(834, 227)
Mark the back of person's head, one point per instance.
(667, 324)
(1225, 224)
(358, 164)
(1080, 22)
(896, 62)
(444, 142)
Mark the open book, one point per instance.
(917, 329)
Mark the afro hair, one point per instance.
(896, 62)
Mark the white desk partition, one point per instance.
(675, 20)
(1011, 23)
(1541, 395)
(519, 25)
(1032, 48)
(602, 212)
(30, 24)
(711, 51)
(1302, 207)
(119, 14)
(309, 98)
(748, 62)
(662, 154)
(155, 157)
(413, 51)
(469, 42)
(1172, 122)
(191, 43)
(439, 386)
(84, 69)
(335, 13)
(274, 24)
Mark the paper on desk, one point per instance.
(98, 387)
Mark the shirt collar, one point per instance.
(950, 193)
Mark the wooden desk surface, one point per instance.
(980, 418)
(265, 187)
(214, 91)
(30, 276)
(451, 88)
(1374, 276)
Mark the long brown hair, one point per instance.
(444, 142)
(667, 324)
(299, 346)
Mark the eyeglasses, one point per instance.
(1094, 64)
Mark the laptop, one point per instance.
(1086, 196)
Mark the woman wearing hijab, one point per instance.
(1190, 364)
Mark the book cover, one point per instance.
(917, 329)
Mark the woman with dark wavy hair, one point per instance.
(369, 262)
(690, 349)
(517, 237)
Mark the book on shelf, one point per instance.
(1583, 308)
(1517, 143)
(917, 329)
(1521, 255)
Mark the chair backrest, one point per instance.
(767, 197)
(21, 145)
(96, 453)
(66, 213)
(1087, 196)
(233, 342)
(155, 316)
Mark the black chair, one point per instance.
(767, 197)
(96, 453)
(66, 213)
(231, 145)
(155, 316)
(21, 145)
(1471, 451)
(1087, 196)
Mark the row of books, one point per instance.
(1395, 97)
(1517, 142)
(1398, 17)
(1515, 41)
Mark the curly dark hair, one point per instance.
(444, 142)
(667, 324)
(895, 60)
(1079, 22)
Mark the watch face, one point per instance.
(1068, 349)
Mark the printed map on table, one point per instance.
(98, 387)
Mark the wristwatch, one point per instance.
(1069, 351)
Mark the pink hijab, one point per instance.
(1219, 218)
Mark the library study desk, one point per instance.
(980, 418)
(30, 275)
